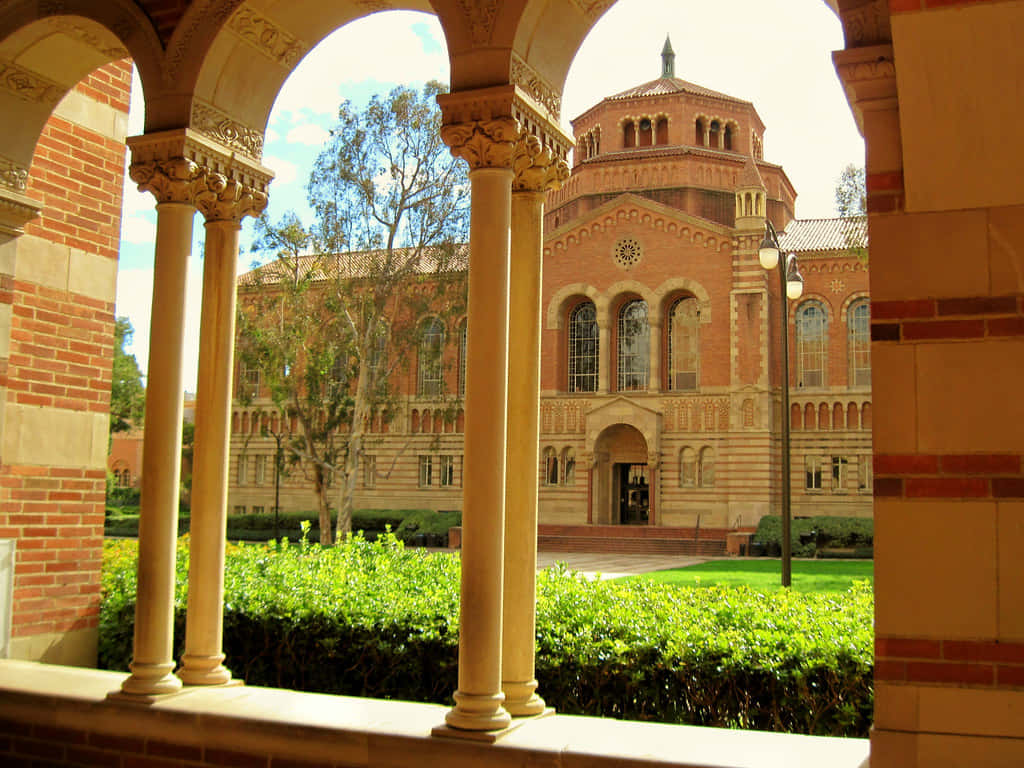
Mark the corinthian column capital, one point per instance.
(220, 198)
(184, 166)
(482, 143)
(174, 180)
(536, 167)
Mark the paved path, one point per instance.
(611, 565)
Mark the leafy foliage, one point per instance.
(376, 619)
(127, 394)
(851, 192)
(809, 535)
(336, 317)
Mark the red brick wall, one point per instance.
(60, 358)
(78, 174)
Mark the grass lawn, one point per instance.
(764, 574)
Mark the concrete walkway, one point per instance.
(611, 565)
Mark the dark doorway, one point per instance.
(634, 494)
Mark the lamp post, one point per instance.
(791, 286)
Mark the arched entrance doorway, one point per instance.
(623, 480)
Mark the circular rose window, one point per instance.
(627, 252)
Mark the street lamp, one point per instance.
(791, 286)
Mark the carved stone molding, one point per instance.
(536, 168)
(184, 166)
(202, 16)
(374, 6)
(592, 9)
(867, 24)
(12, 175)
(480, 16)
(267, 36)
(108, 47)
(16, 210)
(29, 86)
(211, 122)
(542, 92)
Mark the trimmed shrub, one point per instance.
(377, 619)
(809, 536)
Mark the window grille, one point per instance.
(259, 469)
(568, 467)
(426, 471)
(550, 466)
(860, 344)
(369, 471)
(687, 468)
(706, 468)
(812, 466)
(584, 348)
(811, 340)
(241, 469)
(248, 385)
(865, 473)
(447, 471)
(429, 380)
(839, 474)
(683, 349)
(634, 347)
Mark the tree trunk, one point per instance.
(360, 414)
(325, 511)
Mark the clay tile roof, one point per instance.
(751, 177)
(666, 85)
(357, 264)
(825, 234)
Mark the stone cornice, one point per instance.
(869, 77)
(184, 166)
(12, 176)
(16, 210)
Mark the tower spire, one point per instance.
(668, 59)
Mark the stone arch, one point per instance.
(558, 306)
(838, 416)
(664, 292)
(100, 33)
(852, 416)
(796, 421)
(849, 301)
(823, 416)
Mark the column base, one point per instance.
(521, 699)
(487, 737)
(476, 712)
(151, 680)
(204, 670)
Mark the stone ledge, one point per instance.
(368, 732)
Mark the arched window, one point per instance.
(706, 468)
(811, 341)
(683, 350)
(698, 138)
(568, 466)
(728, 137)
(715, 135)
(687, 468)
(628, 134)
(661, 130)
(462, 358)
(550, 466)
(584, 348)
(859, 323)
(646, 132)
(634, 346)
(429, 379)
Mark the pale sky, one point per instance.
(774, 53)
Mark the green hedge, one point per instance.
(815, 536)
(413, 526)
(377, 619)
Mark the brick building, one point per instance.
(660, 373)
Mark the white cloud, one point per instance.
(310, 134)
(138, 229)
(353, 54)
(285, 171)
(271, 136)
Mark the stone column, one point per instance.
(172, 182)
(223, 202)
(654, 369)
(604, 355)
(536, 171)
(486, 144)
